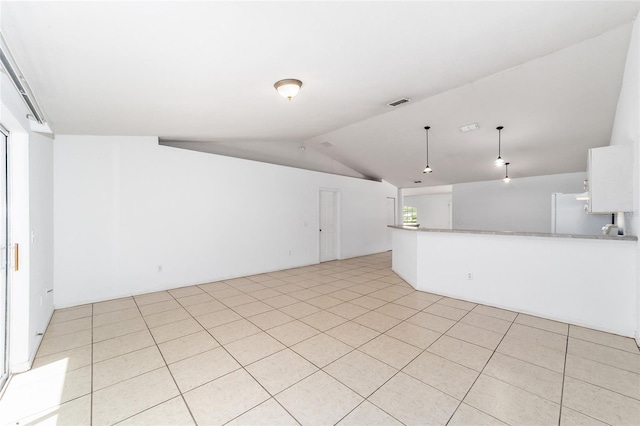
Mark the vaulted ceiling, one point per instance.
(202, 74)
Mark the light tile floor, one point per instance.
(343, 342)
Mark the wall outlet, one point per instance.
(469, 275)
(159, 268)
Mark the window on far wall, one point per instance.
(409, 216)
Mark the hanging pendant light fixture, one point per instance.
(506, 173)
(499, 161)
(427, 169)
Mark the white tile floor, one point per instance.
(344, 342)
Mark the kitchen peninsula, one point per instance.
(579, 279)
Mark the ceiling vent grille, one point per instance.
(399, 102)
(10, 67)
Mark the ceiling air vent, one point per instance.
(399, 102)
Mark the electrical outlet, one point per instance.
(469, 275)
(159, 268)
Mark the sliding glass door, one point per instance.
(4, 319)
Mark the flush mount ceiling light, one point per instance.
(506, 173)
(427, 169)
(499, 161)
(288, 88)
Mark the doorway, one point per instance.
(4, 311)
(329, 225)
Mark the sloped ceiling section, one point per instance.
(553, 110)
(282, 153)
(550, 72)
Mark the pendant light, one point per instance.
(427, 169)
(506, 173)
(499, 161)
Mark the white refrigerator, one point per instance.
(568, 216)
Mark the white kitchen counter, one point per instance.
(521, 234)
(583, 280)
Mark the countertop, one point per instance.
(521, 234)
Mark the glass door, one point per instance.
(4, 318)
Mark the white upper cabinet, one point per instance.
(610, 174)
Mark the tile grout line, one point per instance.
(348, 352)
(165, 366)
(91, 398)
(480, 374)
(422, 352)
(316, 366)
(398, 370)
(564, 374)
(607, 346)
(352, 348)
(242, 367)
(272, 396)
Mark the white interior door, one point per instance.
(328, 226)
(4, 342)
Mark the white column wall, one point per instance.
(40, 237)
(124, 206)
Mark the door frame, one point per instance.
(7, 300)
(337, 209)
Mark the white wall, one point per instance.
(522, 205)
(405, 252)
(41, 235)
(588, 282)
(434, 211)
(626, 130)
(125, 205)
(30, 208)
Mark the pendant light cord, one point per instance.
(427, 130)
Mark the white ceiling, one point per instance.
(550, 72)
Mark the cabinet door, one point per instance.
(611, 179)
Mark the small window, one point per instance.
(409, 216)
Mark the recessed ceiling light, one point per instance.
(469, 127)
